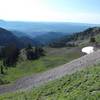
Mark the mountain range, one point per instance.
(35, 33)
(39, 28)
(7, 37)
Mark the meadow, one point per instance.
(54, 57)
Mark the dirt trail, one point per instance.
(69, 68)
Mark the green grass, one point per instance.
(98, 38)
(54, 57)
(82, 85)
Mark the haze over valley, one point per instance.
(43, 32)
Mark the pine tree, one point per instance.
(92, 39)
(10, 55)
(1, 68)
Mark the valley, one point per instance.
(54, 57)
(49, 49)
(83, 83)
(43, 58)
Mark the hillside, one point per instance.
(27, 73)
(27, 40)
(7, 37)
(78, 38)
(43, 32)
(49, 37)
(83, 85)
(19, 33)
(41, 78)
(53, 58)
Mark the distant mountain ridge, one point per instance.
(19, 34)
(77, 38)
(39, 28)
(49, 37)
(40, 33)
(7, 37)
(53, 38)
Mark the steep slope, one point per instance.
(7, 37)
(27, 40)
(69, 68)
(88, 33)
(77, 38)
(83, 85)
(50, 37)
(19, 33)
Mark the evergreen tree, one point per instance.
(1, 68)
(29, 52)
(29, 47)
(35, 53)
(92, 39)
(10, 55)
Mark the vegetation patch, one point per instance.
(83, 85)
(53, 58)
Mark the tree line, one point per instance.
(10, 54)
(34, 53)
(69, 40)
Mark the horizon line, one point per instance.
(32, 21)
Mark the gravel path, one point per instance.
(69, 68)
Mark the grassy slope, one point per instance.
(83, 85)
(54, 57)
(98, 38)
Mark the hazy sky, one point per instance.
(87, 11)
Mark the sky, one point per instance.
(83, 11)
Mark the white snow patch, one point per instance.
(88, 50)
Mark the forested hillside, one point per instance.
(7, 37)
(77, 38)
